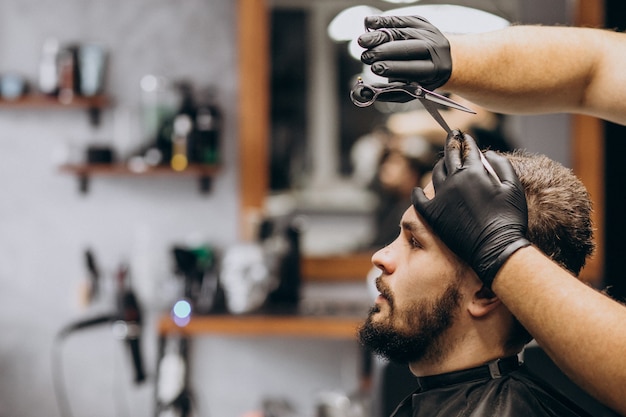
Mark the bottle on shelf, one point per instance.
(180, 140)
(48, 67)
(68, 74)
(188, 135)
(205, 139)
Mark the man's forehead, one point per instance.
(429, 190)
(413, 222)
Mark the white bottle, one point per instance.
(48, 70)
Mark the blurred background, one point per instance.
(123, 216)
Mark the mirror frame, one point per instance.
(254, 127)
(254, 116)
(588, 152)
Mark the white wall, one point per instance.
(45, 224)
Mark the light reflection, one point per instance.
(181, 313)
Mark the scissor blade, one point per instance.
(436, 115)
(445, 101)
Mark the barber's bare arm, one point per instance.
(537, 69)
(519, 69)
(580, 328)
(484, 222)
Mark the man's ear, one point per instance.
(483, 302)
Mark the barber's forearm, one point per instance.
(579, 328)
(535, 69)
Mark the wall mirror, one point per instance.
(303, 120)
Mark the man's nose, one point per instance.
(383, 260)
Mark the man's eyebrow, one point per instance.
(413, 227)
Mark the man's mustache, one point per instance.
(384, 290)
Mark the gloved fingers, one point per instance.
(406, 50)
(378, 22)
(470, 151)
(502, 166)
(382, 37)
(405, 70)
(438, 175)
(419, 200)
(453, 151)
(373, 39)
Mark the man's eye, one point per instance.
(414, 242)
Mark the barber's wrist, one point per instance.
(507, 269)
(458, 59)
(502, 258)
(467, 72)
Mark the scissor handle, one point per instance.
(363, 95)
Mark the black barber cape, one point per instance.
(503, 388)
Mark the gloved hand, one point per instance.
(409, 48)
(481, 220)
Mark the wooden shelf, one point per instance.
(325, 327)
(124, 170)
(84, 171)
(352, 267)
(51, 102)
(93, 105)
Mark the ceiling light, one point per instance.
(450, 18)
(348, 24)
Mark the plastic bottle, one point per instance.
(205, 146)
(48, 67)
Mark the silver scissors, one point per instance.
(363, 95)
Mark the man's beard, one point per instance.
(426, 322)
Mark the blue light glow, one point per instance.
(181, 313)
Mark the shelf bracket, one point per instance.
(206, 184)
(94, 114)
(83, 183)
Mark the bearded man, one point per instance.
(435, 314)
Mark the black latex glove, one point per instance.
(482, 221)
(409, 49)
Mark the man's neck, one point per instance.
(466, 353)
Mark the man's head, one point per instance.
(432, 304)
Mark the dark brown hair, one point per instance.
(559, 209)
